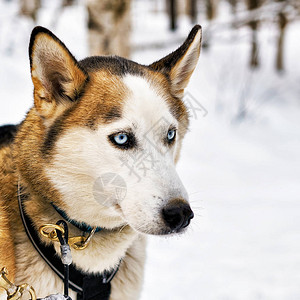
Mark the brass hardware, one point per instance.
(51, 234)
(14, 292)
(77, 242)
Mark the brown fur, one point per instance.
(7, 180)
(7, 258)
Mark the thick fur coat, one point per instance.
(83, 111)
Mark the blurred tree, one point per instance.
(189, 8)
(68, 2)
(282, 22)
(109, 26)
(254, 23)
(211, 9)
(172, 9)
(233, 4)
(29, 8)
(193, 10)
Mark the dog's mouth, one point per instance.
(163, 231)
(173, 219)
(181, 228)
(170, 231)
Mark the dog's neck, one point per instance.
(44, 211)
(109, 246)
(80, 225)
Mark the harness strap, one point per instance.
(87, 286)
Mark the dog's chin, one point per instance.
(169, 232)
(161, 231)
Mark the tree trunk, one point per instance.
(193, 11)
(173, 14)
(210, 9)
(254, 60)
(67, 3)
(282, 25)
(233, 4)
(109, 26)
(29, 8)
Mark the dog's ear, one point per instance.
(180, 64)
(57, 78)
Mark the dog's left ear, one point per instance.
(180, 64)
(57, 78)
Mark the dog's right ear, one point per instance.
(180, 64)
(57, 78)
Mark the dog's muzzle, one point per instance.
(177, 215)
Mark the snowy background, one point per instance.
(240, 162)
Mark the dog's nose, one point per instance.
(177, 215)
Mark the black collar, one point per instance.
(80, 225)
(89, 286)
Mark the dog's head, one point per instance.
(107, 133)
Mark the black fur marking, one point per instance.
(51, 136)
(7, 134)
(113, 64)
(79, 93)
(114, 114)
(54, 131)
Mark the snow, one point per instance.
(242, 174)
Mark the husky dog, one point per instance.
(75, 157)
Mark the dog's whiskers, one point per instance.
(194, 193)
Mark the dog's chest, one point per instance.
(32, 269)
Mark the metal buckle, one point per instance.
(14, 292)
(77, 242)
(51, 234)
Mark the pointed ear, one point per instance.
(180, 64)
(56, 75)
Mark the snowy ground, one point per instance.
(243, 176)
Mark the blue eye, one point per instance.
(171, 134)
(121, 138)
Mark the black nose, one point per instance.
(177, 215)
